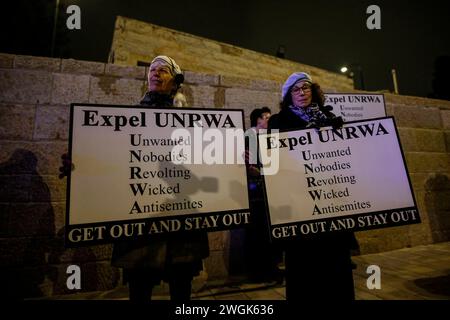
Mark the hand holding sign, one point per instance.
(66, 166)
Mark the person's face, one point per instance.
(263, 121)
(301, 94)
(160, 79)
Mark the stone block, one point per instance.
(39, 63)
(422, 140)
(415, 101)
(428, 140)
(407, 139)
(234, 82)
(137, 72)
(79, 66)
(418, 117)
(259, 85)
(445, 115)
(112, 90)
(325, 89)
(266, 85)
(52, 123)
(6, 60)
(25, 86)
(218, 241)
(16, 121)
(219, 97)
(203, 96)
(422, 162)
(250, 99)
(379, 240)
(70, 88)
(447, 140)
(216, 265)
(200, 78)
(390, 109)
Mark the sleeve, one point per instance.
(332, 120)
(274, 122)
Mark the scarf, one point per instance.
(310, 114)
(157, 100)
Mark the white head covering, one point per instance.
(293, 79)
(168, 61)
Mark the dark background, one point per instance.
(414, 35)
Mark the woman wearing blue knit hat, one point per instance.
(319, 267)
(303, 106)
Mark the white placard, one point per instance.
(352, 178)
(356, 106)
(141, 171)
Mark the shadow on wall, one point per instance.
(30, 250)
(27, 226)
(437, 202)
(439, 285)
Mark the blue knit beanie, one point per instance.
(293, 79)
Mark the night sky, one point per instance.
(325, 34)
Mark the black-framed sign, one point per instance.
(357, 106)
(326, 180)
(150, 171)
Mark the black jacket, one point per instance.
(319, 266)
(286, 119)
(160, 254)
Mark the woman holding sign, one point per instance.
(177, 258)
(316, 267)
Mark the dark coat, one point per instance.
(161, 254)
(286, 119)
(318, 267)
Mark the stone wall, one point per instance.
(35, 94)
(135, 41)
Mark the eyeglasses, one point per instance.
(305, 89)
